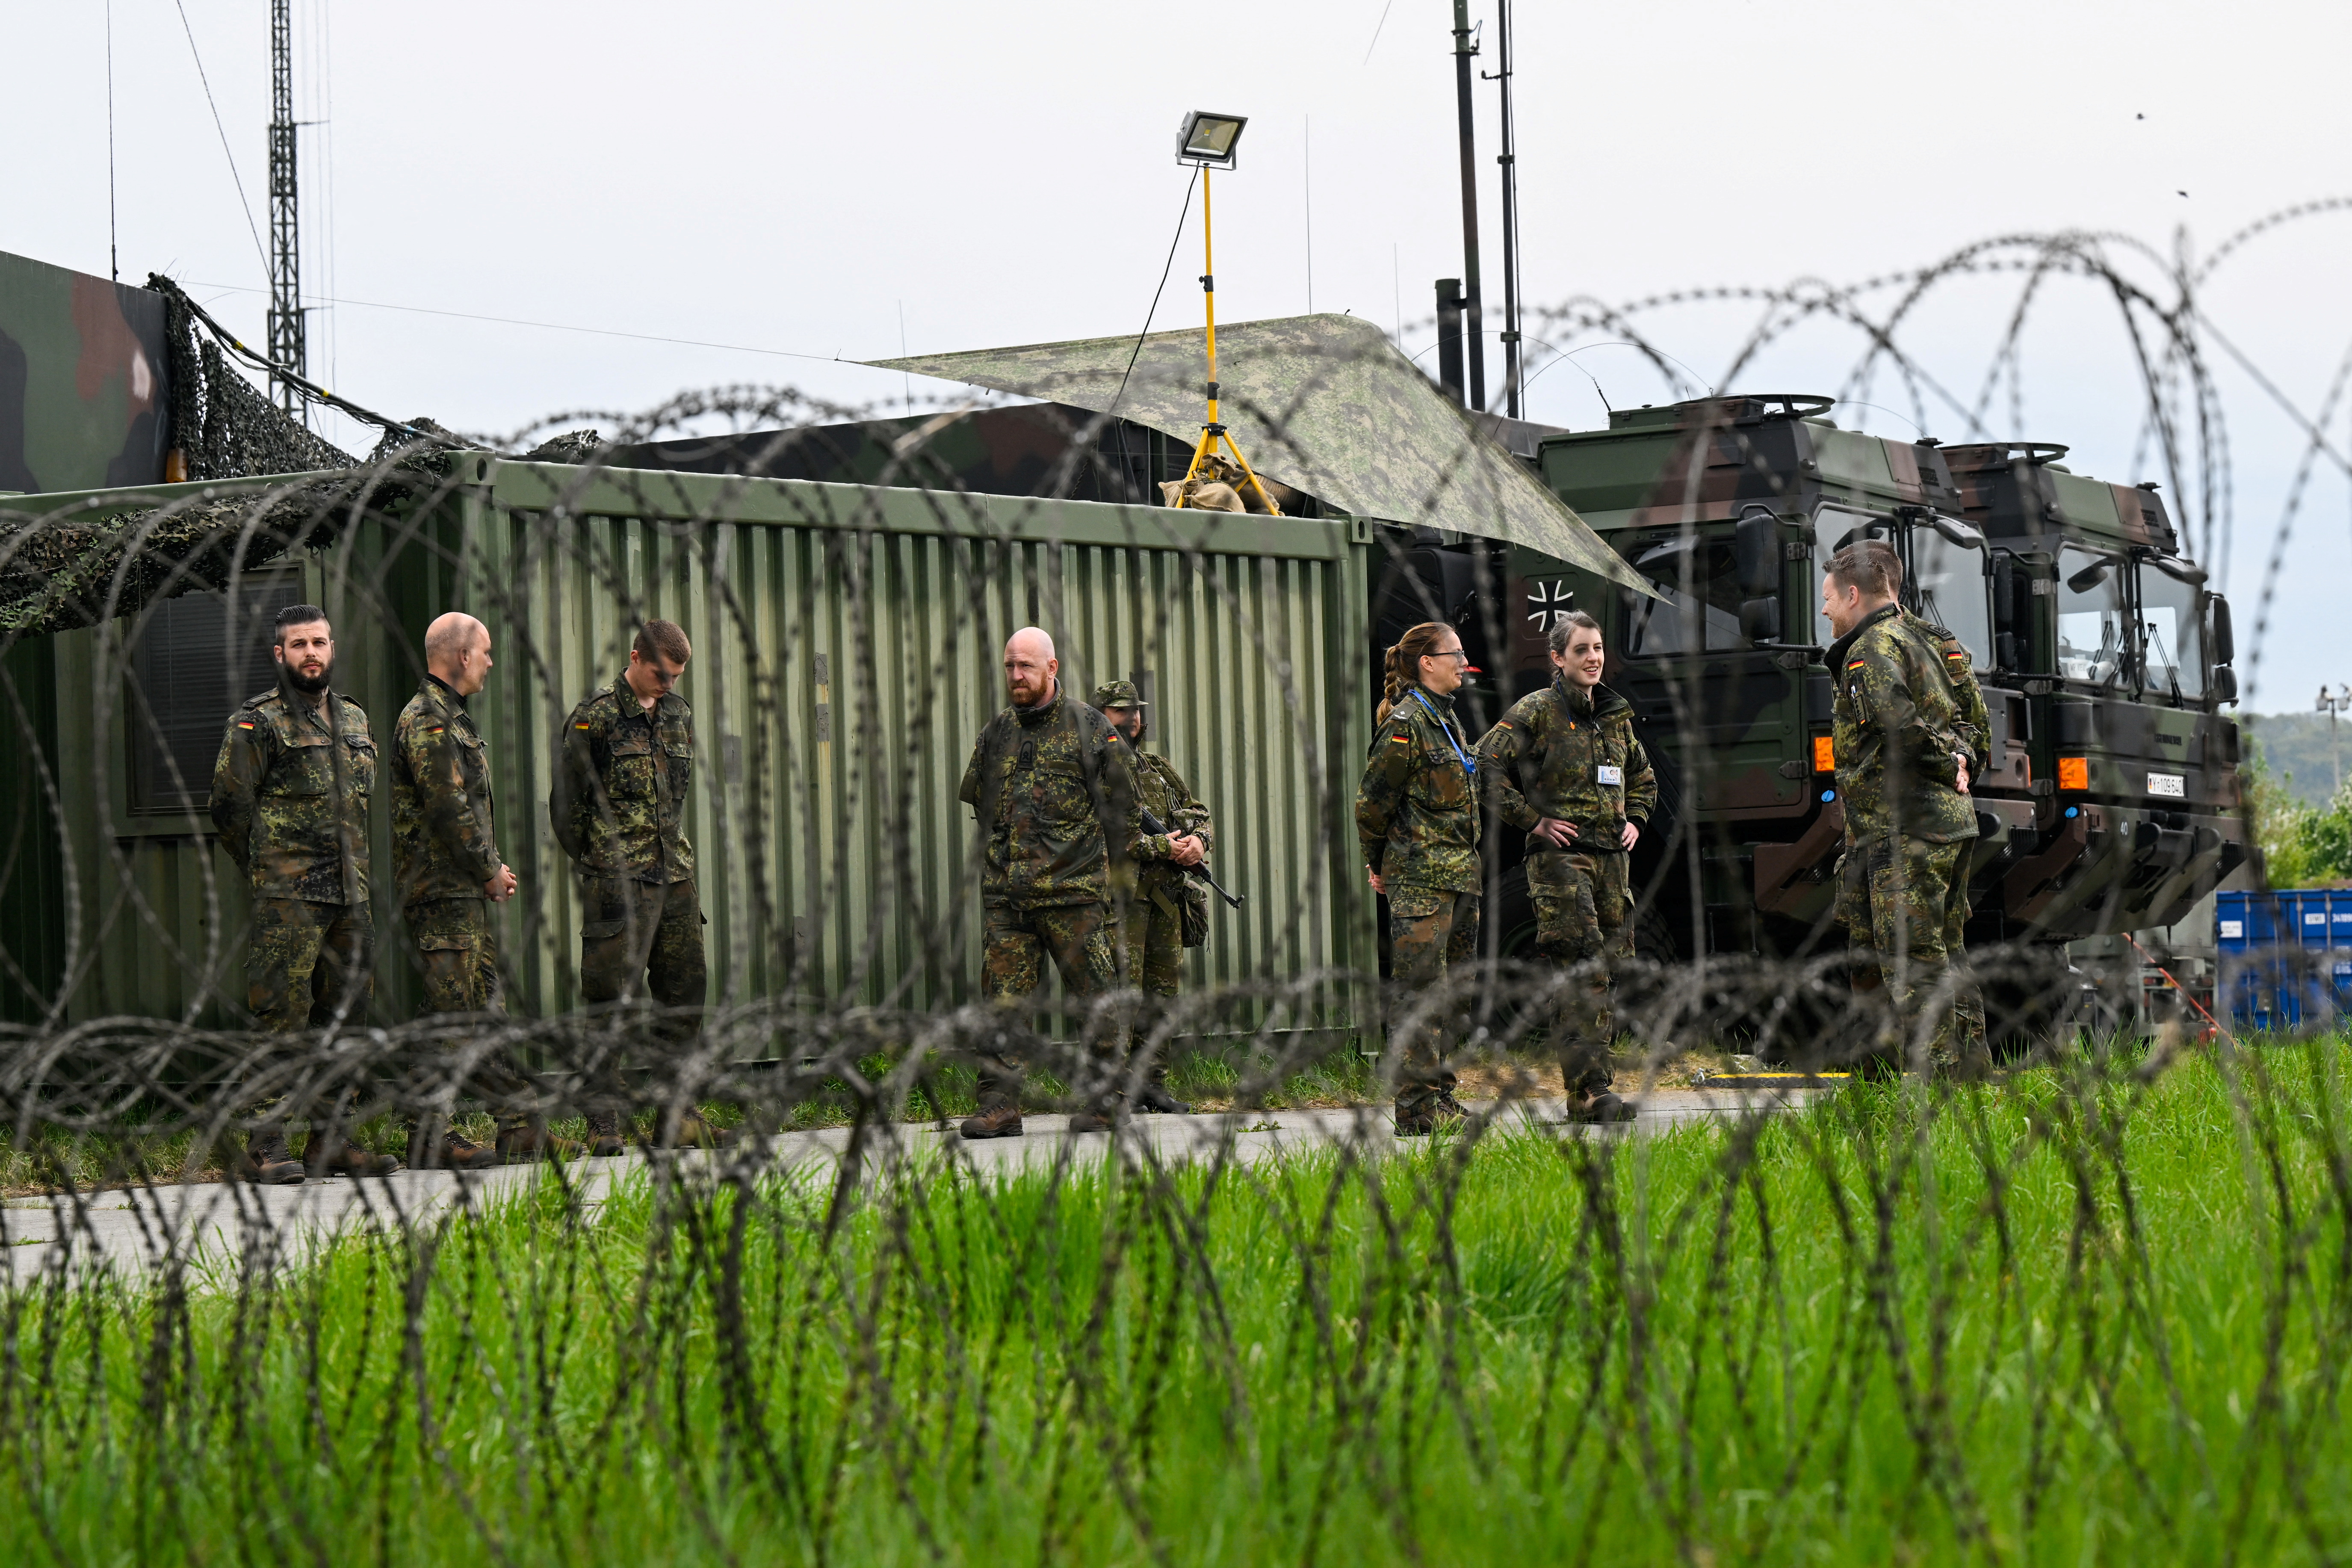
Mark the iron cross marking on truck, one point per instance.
(1546, 601)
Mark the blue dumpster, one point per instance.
(2287, 956)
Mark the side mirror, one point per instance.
(2225, 685)
(1759, 620)
(2225, 646)
(1756, 551)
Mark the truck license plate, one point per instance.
(2174, 784)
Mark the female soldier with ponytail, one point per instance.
(1417, 819)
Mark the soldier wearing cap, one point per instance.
(290, 793)
(1155, 917)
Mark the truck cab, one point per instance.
(2100, 654)
(2123, 656)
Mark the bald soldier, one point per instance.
(447, 864)
(1050, 788)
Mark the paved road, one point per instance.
(221, 1224)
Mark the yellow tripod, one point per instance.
(1213, 432)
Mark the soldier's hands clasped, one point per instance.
(502, 886)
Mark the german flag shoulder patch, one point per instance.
(245, 723)
(1857, 664)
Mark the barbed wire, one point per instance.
(2081, 1292)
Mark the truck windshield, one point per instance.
(2091, 643)
(1950, 580)
(1700, 610)
(2172, 632)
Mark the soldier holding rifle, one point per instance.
(1165, 897)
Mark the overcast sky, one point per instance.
(840, 181)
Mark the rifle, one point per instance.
(1152, 823)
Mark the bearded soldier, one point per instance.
(1904, 761)
(1564, 767)
(290, 793)
(1051, 786)
(1155, 917)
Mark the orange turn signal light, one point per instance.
(1824, 755)
(2074, 773)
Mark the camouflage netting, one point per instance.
(223, 426)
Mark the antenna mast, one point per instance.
(285, 348)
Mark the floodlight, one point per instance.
(1208, 140)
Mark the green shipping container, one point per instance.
(846, 649)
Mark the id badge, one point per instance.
(1607, 775)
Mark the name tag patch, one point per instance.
(1608, 775)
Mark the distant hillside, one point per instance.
(2296, 744)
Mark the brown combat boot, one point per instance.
(1103, 1116)
(1439, 1112)
(605, 1138)
(1155, 1098)
(266, 1159)
(694, 1133)
(347, 1160)
(453, 1152)
(994, 1121)
(530, 1141)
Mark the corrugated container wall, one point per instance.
(846, 651)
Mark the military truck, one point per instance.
(2111, 802)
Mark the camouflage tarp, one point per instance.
(1325, 403)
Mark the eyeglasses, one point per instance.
(1450, 653)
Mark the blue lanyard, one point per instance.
(1469, 768)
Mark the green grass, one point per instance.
(2073, 1319)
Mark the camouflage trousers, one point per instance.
(641, 939)
(1018, 944)
(456, 942)
(309, 964)
(1581, 923)
(1430, 931)
(638, 942)
(1905, 903)
(1155, 955)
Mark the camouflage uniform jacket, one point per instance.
(1570, 755)
(1052, 788)
(618, 805)
(291, 804)
(1968, 697)
(442, 843)
(1895, 727)
(1417, 809)
(1163, 792)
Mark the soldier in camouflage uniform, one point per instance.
(290, 796)
(1903, 766)
(618, 808)
(1974, 726)
(1051, 786)
(1564, 768)
(446, 861)
(1417, 823)
(1155, 924)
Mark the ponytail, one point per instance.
(1400, 667)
